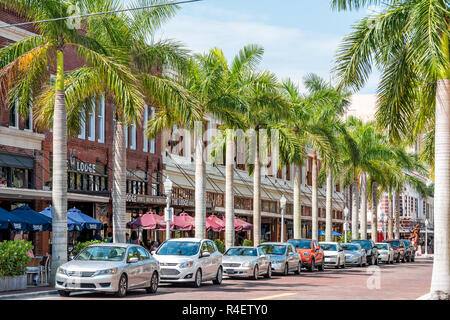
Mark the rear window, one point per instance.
(394, 243)
(273, 249)
(301, 244)
(365, 244)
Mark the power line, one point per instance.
(99, 13)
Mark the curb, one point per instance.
(424, 297)
(27, 295)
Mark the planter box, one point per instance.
(13, 283)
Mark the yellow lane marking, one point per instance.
(275, 296)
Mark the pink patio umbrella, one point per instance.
(215, 224)
(241, 225)
(148, 221)
(183, 222)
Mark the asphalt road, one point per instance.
(398, 281)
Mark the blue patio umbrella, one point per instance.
(35, 221)
(334, 233)
(86, 221)
(321, 232)
(71, 224)
(8, 219)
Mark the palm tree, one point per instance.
(25, 71)
(408, 41)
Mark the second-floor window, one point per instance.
(13, 116)
(101, 120)
(133, 136)
(91, 121)
(145, 140)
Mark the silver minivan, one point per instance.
(189, 260)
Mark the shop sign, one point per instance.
(138, 198)
(80, 166)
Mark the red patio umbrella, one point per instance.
(241, 225)
(148, 221)
(214, 223)
(183, 222)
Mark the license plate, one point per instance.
(230, 271)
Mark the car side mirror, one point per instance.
(71, 258)
(205, 254)
(133, 260)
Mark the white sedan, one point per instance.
(334, 254)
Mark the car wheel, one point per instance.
(299, 268)
(322, 266)
(286, 270)
(122, 287)
(413, 258)
(398, 259)
(153, 283)
(255, 273)
(338, 264)
(376, 260)
(360, 262)
(269, 272)
(313, 266)
(198, 279)
(343, 265)
(64, 293)
(219, 276)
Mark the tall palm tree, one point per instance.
(125, 42)
(25, 70)
(409, 43)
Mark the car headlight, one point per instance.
(187, 264)
(279, 261)
(107, 271)
(247, 264)
(306, 254)
(61, 271)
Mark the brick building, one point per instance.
(26, 157)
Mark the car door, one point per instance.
(133, 268)
(318, 252)
(291, 258)
(341, 253)
(263, 261)
(205, 262)
(147, 267)
(216, 258)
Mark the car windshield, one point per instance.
(350, 247)
(395, 243)
(98, 253)
(241, 252)
(273, 249)
(328, 246)
(383, 246)
(301, 244)
(179, 248)
(364, 244)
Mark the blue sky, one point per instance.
(299, 36)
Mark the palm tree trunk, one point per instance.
(329, 217)
(118, 191)
(59, 177)
(257, 199)
(314, 200)
(374, 213)
(355, 210)
(396, 216)
(363, 206)
(200, 184)
(440, 282)
(297, 202)
(229, 193)
(390, 217)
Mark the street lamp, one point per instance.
(384, 225)
(426, 237)
(345, 223)
(168, 216)
(283, 206)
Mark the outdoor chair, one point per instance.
(33, 270)
(44, 270)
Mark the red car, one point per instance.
(311, 252)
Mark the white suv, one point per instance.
(189, 260)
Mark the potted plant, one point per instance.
(14, 259)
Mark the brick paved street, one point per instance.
(399, 281)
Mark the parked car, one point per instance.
(311, 253)
(334, 254)
(189, 260)
(247, 262)
(354, 254)
(410, 250)
(109, 267)
(399, 250)
(283, 257)
(385, 252)
(371, 250)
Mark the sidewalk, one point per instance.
(28, 293)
